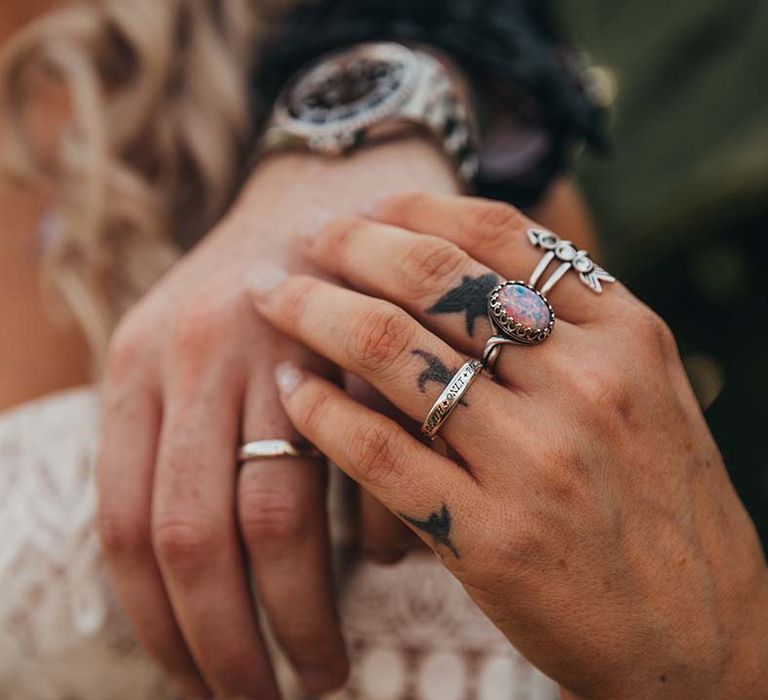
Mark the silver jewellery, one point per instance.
(450, 397)
(374, 91)
(271, 449)
(522, 316)
(520, 311)
(493, 347)
(590, 274)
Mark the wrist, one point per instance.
(369, 172)
(289, 191)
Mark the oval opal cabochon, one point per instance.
(524, 306)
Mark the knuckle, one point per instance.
(309, 413)
(126, 349)
(607, 396)
(402, 206)
(293, 298)
(561, 458)
(337, 234)
(567, 478)
(373, 455)
(272, 515)
(123, 536)
(526, 547)
(380, 338)
(198, 329)
(655, 333)
(430, 264)
(492, 224)
(185, 546)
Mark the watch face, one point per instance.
(350, 86)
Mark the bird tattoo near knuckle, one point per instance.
(470, 297)
(436, 371)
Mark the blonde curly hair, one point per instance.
(158, 128)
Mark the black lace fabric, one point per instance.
(534, 105)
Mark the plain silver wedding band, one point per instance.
(272, 449)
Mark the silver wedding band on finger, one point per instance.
(275, 448)
(450, 397)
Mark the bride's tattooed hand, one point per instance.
(588, 513)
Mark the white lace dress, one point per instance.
(411, 630)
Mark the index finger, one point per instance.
(495, 234)
(430, 493)
(385, 346)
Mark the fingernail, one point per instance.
(262, 279)
(372, 206)
(323, 680)
(319, 221)
(288, 376)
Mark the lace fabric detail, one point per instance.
(62, 635)
(411, 630)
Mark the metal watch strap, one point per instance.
(433, 101)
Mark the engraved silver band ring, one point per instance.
(450, 397)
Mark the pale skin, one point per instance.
(592, 518)
(188, 377)
(695, 591)
(680, 611)
(199, 622)
(277, 502)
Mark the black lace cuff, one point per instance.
(535, 107)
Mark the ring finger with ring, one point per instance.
(442, 287)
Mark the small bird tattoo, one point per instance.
(470, 297)
(438, 525)
(436, 371)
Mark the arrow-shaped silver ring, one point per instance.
(591, 274)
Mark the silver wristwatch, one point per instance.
(370, 92)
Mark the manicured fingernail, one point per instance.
(262, 279)
(288, 376)
(319, 221)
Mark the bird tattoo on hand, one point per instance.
(436, 371)
(470, 297)
(438, 525)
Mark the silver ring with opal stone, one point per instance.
(521, 312)
(590, 274)
(492, 349)
(450, 397)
